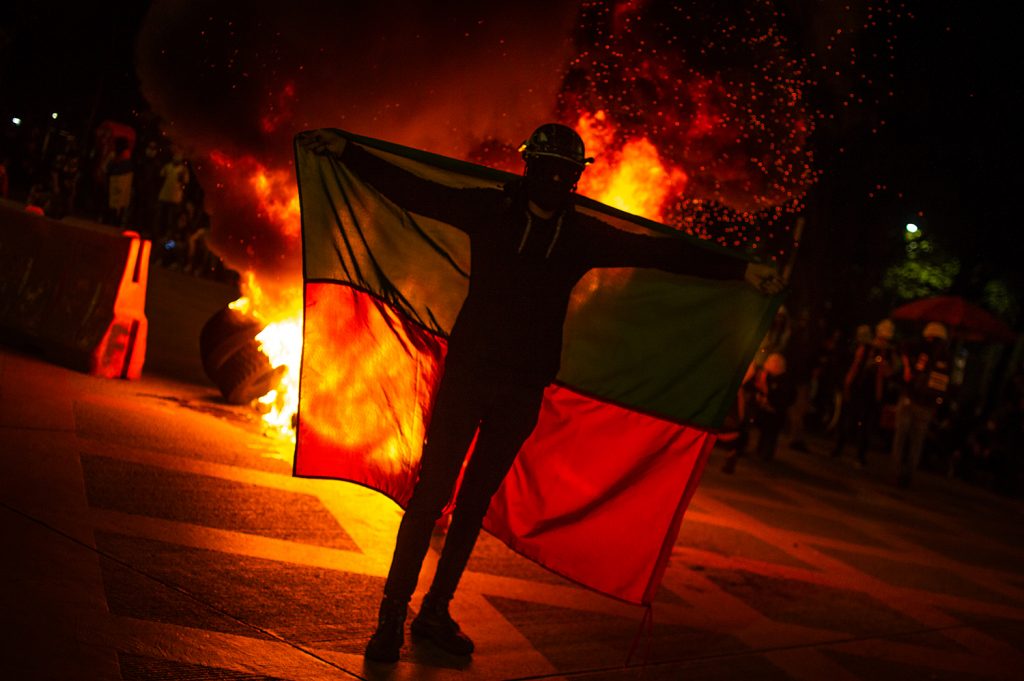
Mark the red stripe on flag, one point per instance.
(598, 491)
(596, 494)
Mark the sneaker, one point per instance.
(387, 641)
(435, 624)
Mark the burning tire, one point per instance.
(232, 357)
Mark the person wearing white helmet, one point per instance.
(926, 372)
(864, 389)
(770, 392)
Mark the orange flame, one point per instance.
(281, 341)
(633, 177)
(278, 198)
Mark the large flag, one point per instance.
(651, 363)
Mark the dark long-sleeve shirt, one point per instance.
(523, 268)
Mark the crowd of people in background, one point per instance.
(897, 399)
(137, 183)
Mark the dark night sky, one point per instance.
(946, 156)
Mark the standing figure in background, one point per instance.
(146, 188)
(768, 395)
(119, 183)
(172, 192)
(864, 389)
(926, 370)
(799, 354)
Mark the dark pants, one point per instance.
(505, 411)
(768, 424)
(860, 419)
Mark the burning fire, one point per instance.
(281, 341)
(633, 178)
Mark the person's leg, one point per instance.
(868, 424)
(503, 431)
(848, 419)
(797, 417)
(904, 418)
(452, 425)
(742, 438)
(921, 419)
(770, 427)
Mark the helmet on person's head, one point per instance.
(863, 334)
(885, 329)
(553, 140)
(935, 330)
(775, 364)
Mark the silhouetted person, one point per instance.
(864, 389)
(768, 394)
(146, 185)
(119, 182)
(172, 192)
(926, 372)
(528, 249)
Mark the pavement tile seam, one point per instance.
(791, 542)
(342, 500)
(211, 648)
(868, 586)
(278, 480)
(721, 610)
(899, 541)
(784, 539)
(797, 544)
(255, 546)
(883, 650)
(852, 580)
(102, 555)
(304, 645)
(874, 492)
(943, 522)
(262, 632)
(765, 635)
(912, 603)
(185, 497)
(234, 542)
(921, 565)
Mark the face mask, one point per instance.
(550, 181)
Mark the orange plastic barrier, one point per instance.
(75, 292)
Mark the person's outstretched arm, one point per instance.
(413, 193)
(612, 247)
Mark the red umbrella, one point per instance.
(962, 318)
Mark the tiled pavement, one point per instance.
(151, 533)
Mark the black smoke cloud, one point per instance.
(241, 78)
(244, 77)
